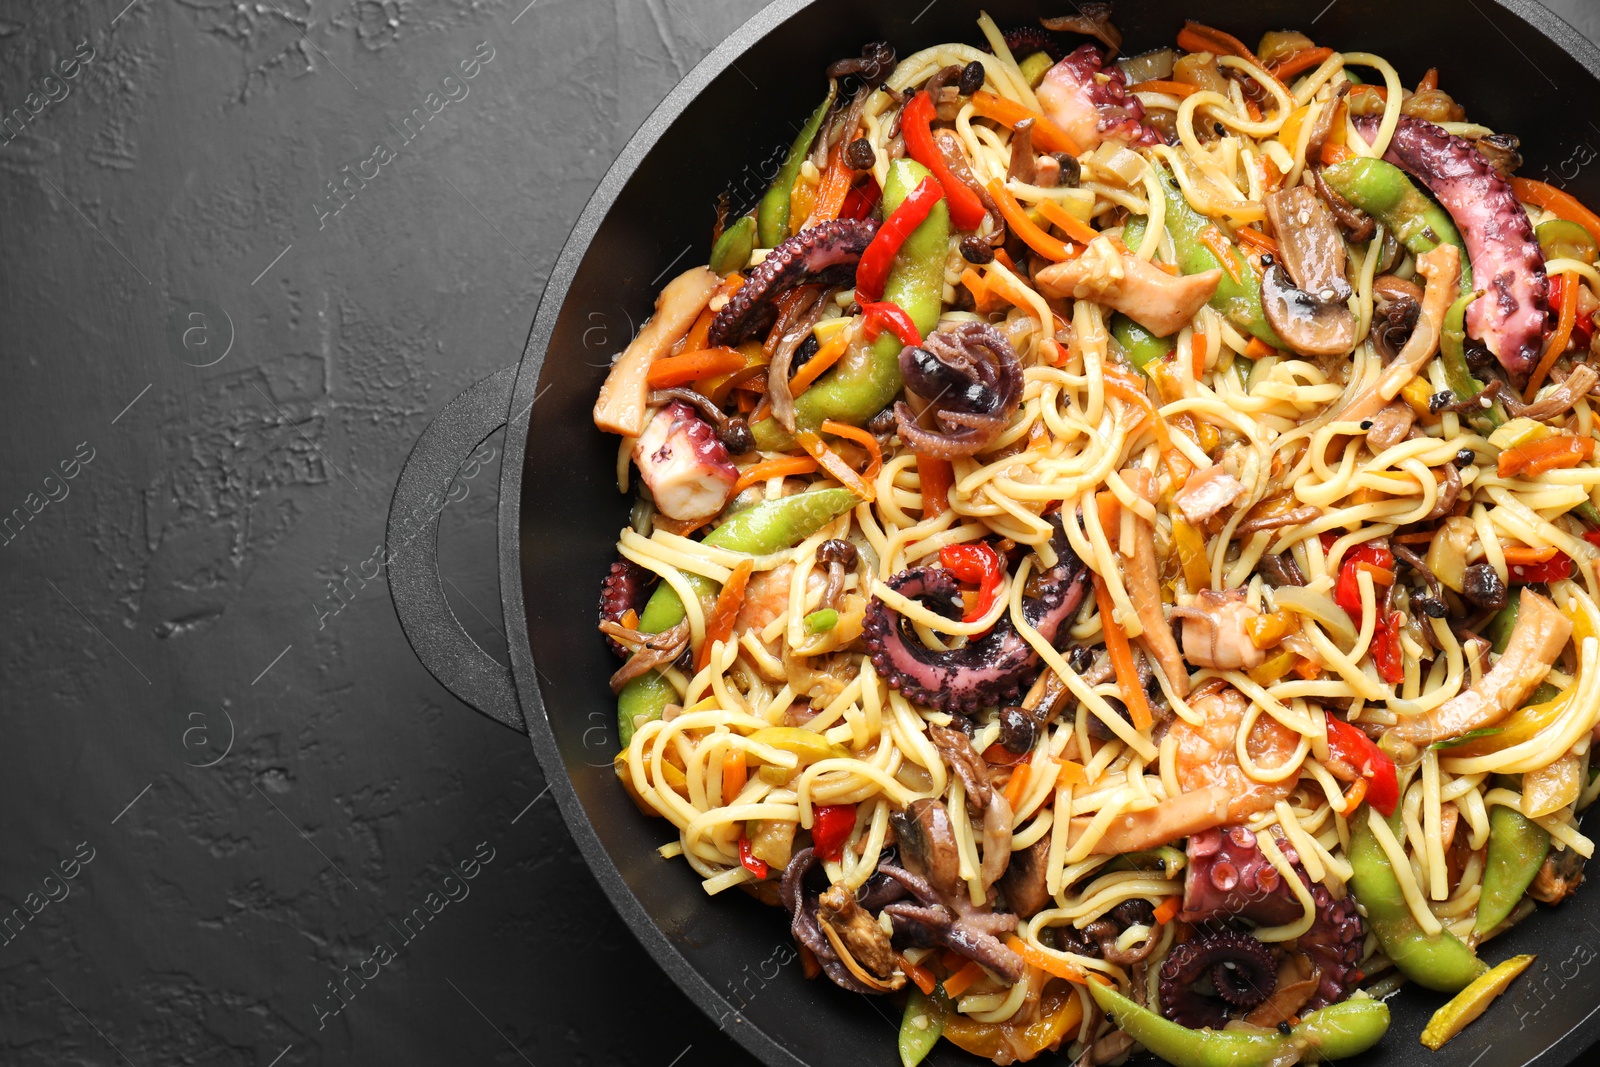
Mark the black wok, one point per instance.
(1517, 68)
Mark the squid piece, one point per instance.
(1160, 302)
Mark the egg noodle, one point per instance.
(1315, 559)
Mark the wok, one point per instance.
(1516, 66)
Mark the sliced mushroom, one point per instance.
(1022, 165)
(1313, 252)
(1390, 426)
(1024, 881)
(1441, 268)
(1307, 325)
(928, 844)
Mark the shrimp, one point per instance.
(767, 596)
(1206, 757)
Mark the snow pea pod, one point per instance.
(1330, 1033)
(1442, 962)
(1452, 354)
(769, 526)
(733, 248)
(867, 378)
(1517, 847)
(1142, 346)
(1238, 294)
(922, 1024)
(772, 215)
(1383, 191)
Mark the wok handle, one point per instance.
(412, 543)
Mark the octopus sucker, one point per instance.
(823, 254)
(625, 588)
(1511, 317)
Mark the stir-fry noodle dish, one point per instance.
(1113, 540)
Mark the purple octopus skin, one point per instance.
(973, 378)
(1229, 877)
(1121, 115)
(625, 588)
(1506, 261)
(1023, 41)
(1241, 970)
(987, 671)
(826, 254)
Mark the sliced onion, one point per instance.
(1318, 606)
(1151, 66)
(1126, 164)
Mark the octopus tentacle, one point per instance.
(1230, 877)
(625, 588)
(826, 253)
(1025, 40)
(1511, 316)
(1241, 971)
(986, 671)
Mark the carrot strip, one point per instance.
(1260, 242)
(1018, 785)
(936, 476)
(735, 772)
(1024, 227)
(1334, 153)
(962, 980)
(1536, 457)
(1197, 353)
(720, 626)
(782, 467)
(1198, 37)
(1121, 654)
(1167, 910)
(1071, 772)
(830, 462)
(1560, 203)
(1430, 80)
(1046, 134)
(1558, 340)
(1353, 799)
(862, 438)
(1220, 247)
(1060, 217)
(1158, 85)
(1133, 392)
(1522, 555)
(1259, 349)
(818, 365)
(1301, 61)
(921, 977)
(1110, 510)
(1044, 961)
(704, 363)
(1012, 291)
(835, 184)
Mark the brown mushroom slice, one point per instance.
(928, 844)
(1307, 325)
(1312, 251)
(1391, 425)
(1538, 638)
(1160, 302)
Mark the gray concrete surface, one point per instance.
(228, 785)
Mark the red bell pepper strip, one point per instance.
(1347, 594)
(860, 200)
(831, 825)
(1554, 569)
(873, 270)
(980, 564)
(880, 314)
(1386, 654)
(1582, 326)
(1349, 744)
(916, 121)
(756, 866)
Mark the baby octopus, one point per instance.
(825, 254)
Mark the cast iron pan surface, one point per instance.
(1514, 65)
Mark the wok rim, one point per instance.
(1564, 1049)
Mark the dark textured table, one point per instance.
(250, 247)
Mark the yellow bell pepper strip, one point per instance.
(1171, 88)
(1191, 546)
(1047, 136)
(1559, 339)
(1472, 1002)
(766, 527)
(1331, 1034)
(807, 746)
(867, 377)
(1238, 294)
(772, 215)
(916, 122)
(1517, 848)
(1442, 962)
(735, 773)
(1060, 1012)
(1121, 654)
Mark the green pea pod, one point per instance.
(1239, 300)
(1330, 1033)
(1453, 356)
(733, 248)
(1517, 847)
(1500, 627)
(1383, 191)
(1443, 962)
(1142, 346)
(772, 216)
(917, 1041)
(867, 378)
(1588, 513)
(766, 527)
(1133, 231)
